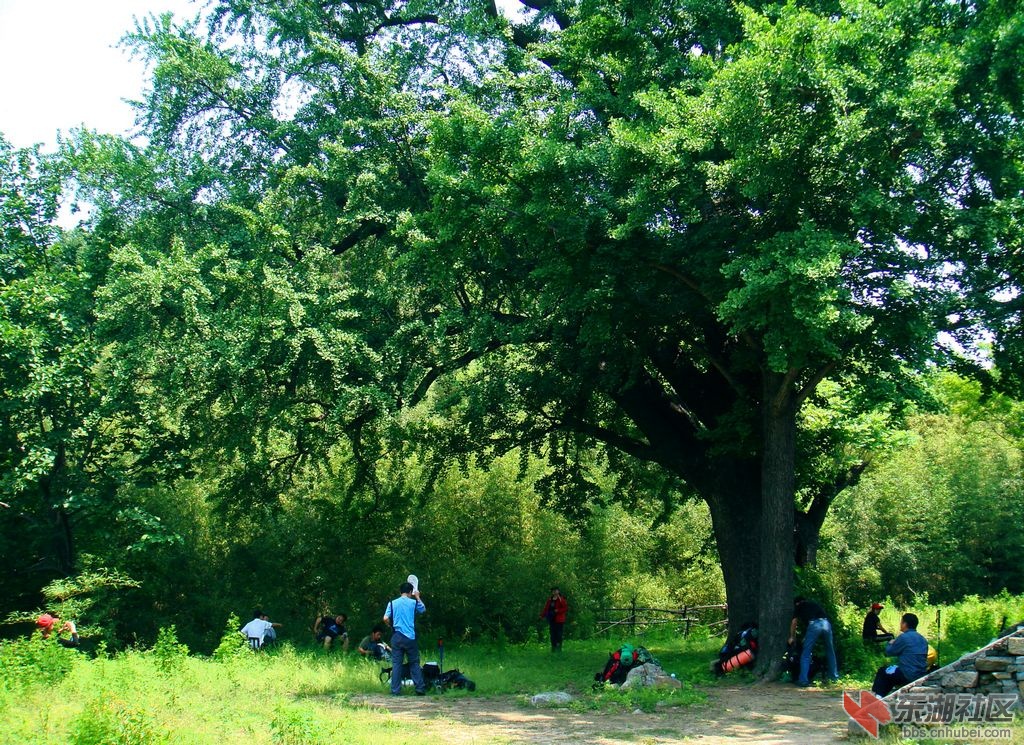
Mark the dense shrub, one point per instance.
(34, 661)
(111, 721)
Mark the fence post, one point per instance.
(632, 617)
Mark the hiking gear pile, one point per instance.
(740, 651)
(434, 677)
(620, 662)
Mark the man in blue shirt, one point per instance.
(911, 652)
(401, 615)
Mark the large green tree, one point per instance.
(938, 516)
(656, 227)
(68, 442)
(42, 366)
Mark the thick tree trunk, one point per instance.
(807, 532)
(776, 535)
(61, 535)
(736, 518)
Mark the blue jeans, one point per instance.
(819, 628)
(404, 647)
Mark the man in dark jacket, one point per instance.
(816, 626)
(873, 630)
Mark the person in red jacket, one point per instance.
(555, 611)
(46, 622)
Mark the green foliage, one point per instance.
(109, 721)
(643, 698)
(35, 662)
(936, 517)
(88, 598)
(232, 643)
(168, 652)
(974, 621)
(344, 277)
(293, 724)
(971, 626)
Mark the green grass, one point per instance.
(299, 695)
(285, 695)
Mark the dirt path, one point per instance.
(771, 713)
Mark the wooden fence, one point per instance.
(687, 617)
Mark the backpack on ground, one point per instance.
(620, 662)
(740, 651)
(453, 679)
(791, 663)
(644, 657)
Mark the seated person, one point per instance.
(72, 631)
(261, 628)
(372, 647)
(271, 635)
(329, 627)
(46, 622)
(911, 652)
(873, 630)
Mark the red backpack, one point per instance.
(620, 662)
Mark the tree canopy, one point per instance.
(650, 229)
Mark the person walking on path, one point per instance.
(816, 626)
(401, 616)
(555, 611)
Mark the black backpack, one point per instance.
(791, 663)
(453, 679)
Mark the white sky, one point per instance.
(60, 68)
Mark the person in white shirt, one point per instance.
(260, 628)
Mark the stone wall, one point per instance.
(995, 668)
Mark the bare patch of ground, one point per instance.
(769, 713)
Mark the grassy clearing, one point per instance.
(285, 695)
(142, 698)
(301, 695)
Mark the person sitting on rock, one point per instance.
(911, 652)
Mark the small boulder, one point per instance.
(551, 698)
(650, 675)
